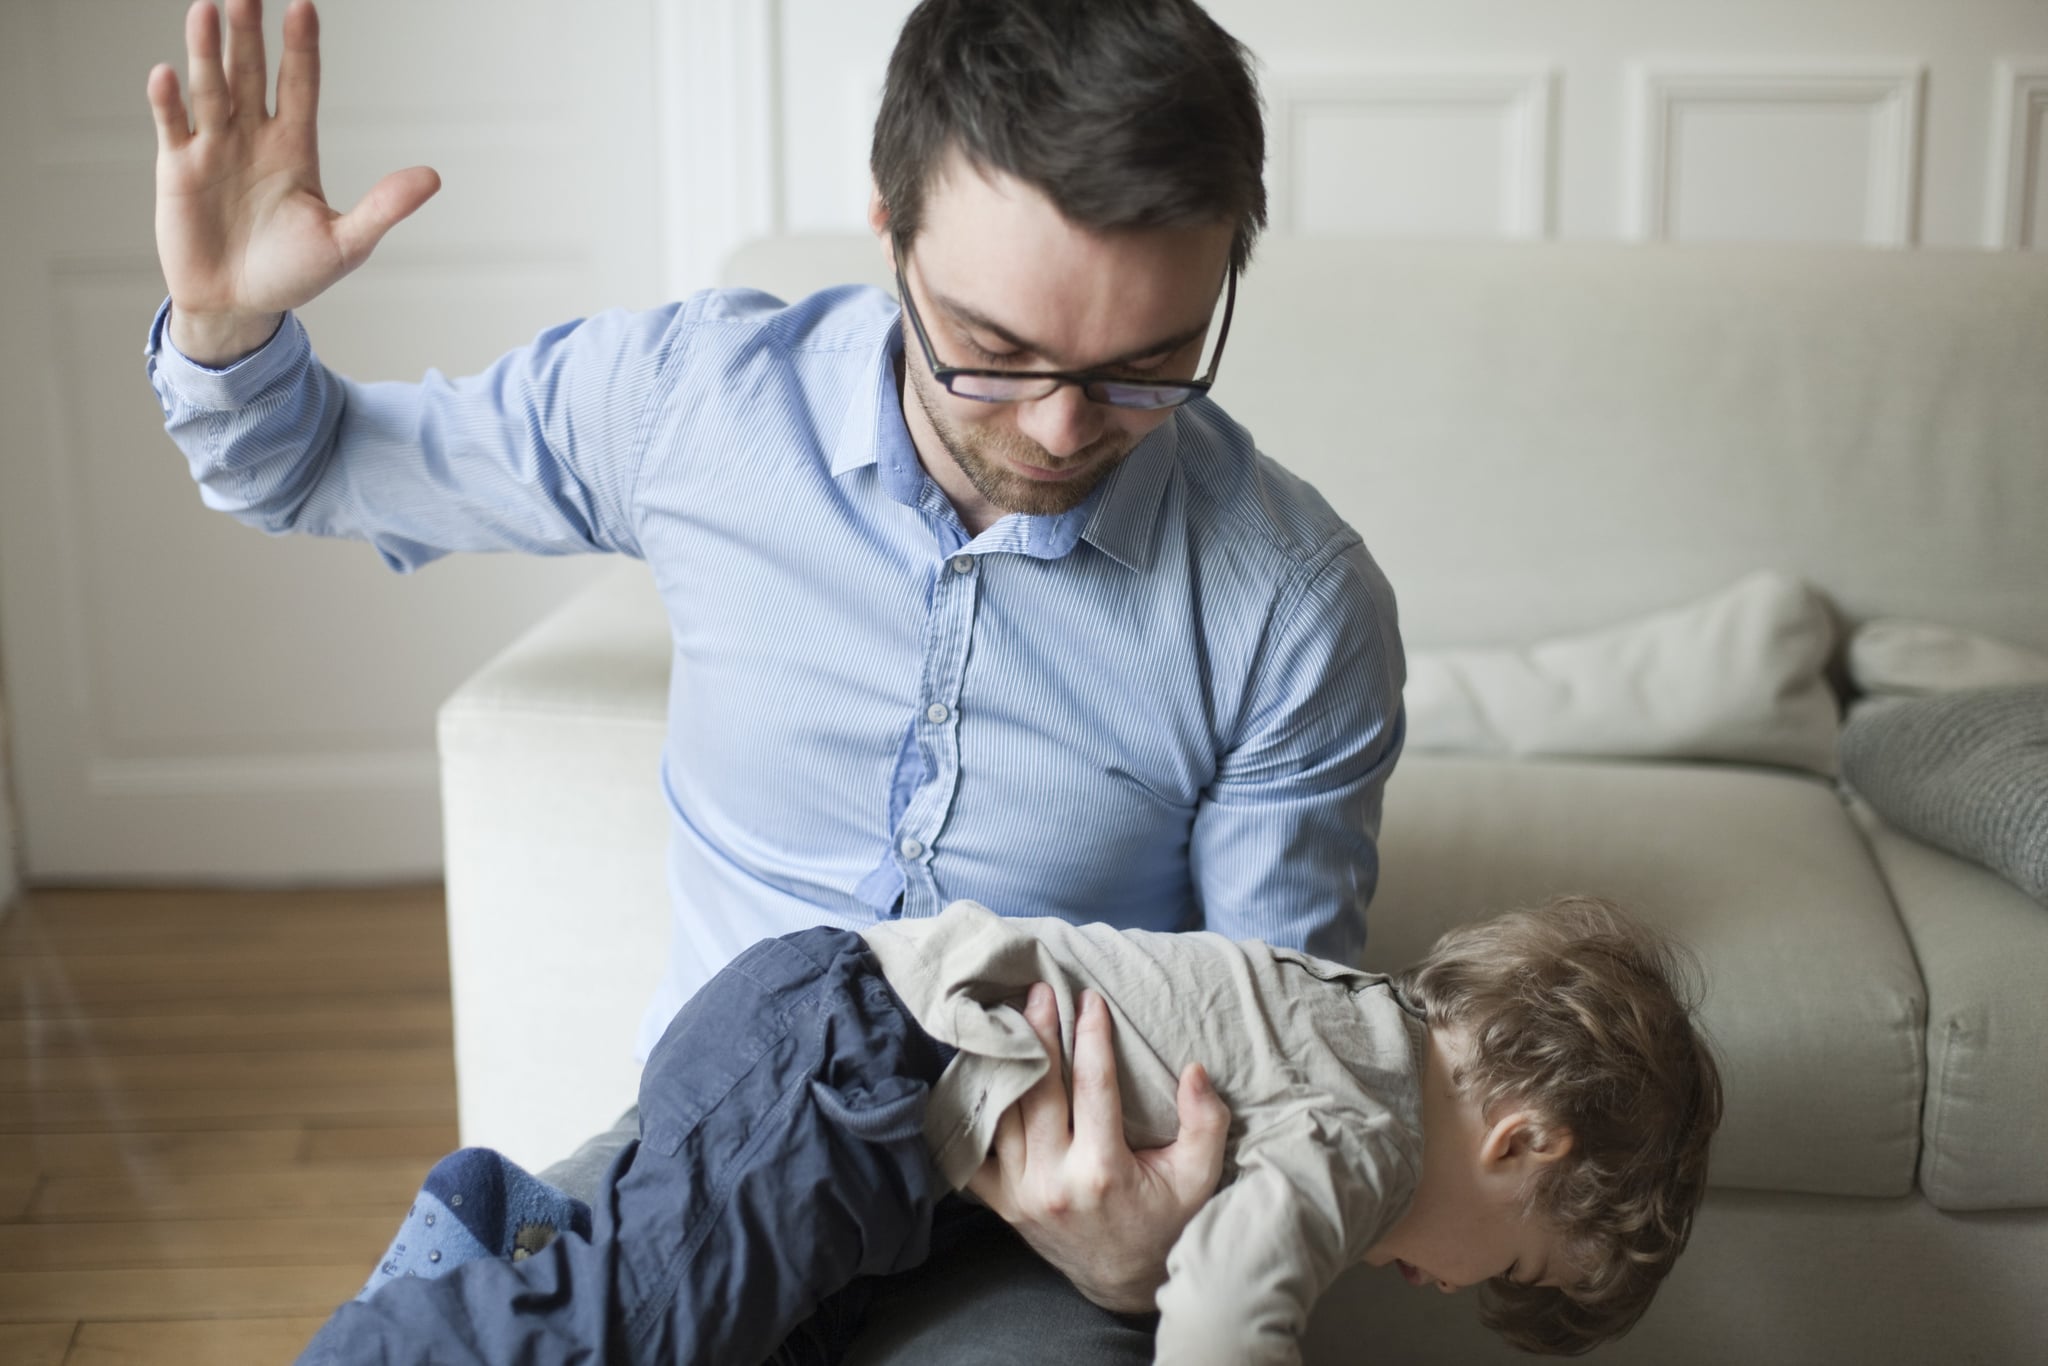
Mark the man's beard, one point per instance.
(975, 453)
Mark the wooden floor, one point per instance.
(214, 1109)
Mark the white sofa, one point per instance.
(1534, 440)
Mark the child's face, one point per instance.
(1466, 1225)
(1453, 1244)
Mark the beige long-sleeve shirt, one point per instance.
(1320, 1064)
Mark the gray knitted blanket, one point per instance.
(1965, 771)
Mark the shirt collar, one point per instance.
(872, 432)
(1127, 504)
(1116, 518)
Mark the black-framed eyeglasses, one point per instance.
(1019, 386)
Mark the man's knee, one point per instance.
(986, 1298)
(581, 1173)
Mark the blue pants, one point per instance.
(781, 1157)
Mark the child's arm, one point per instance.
(1250, 1265)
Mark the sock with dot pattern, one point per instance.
(477, 1203)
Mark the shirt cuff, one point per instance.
(232, 386)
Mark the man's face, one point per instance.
(1002, 280)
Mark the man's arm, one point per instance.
(1285, 841)
(540, 453)
(1070, 1184)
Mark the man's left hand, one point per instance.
(1070, 1184)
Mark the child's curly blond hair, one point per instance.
(1584, 1014)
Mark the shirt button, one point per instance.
(910, 847)
(936, 713)
(963, 564)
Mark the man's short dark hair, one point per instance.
(1124, 113)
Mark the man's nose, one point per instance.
(1064, 421)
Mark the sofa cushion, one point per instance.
(1966, 772)
(1894, 657)
(1812, 999)
(1542, 438)
(1983, 952)
(1740, 675)
(1767, 1280)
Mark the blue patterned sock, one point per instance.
(476, 1203)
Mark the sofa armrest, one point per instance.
(558, 918)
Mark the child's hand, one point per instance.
(1101, 1213)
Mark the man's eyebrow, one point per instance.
(975, 318)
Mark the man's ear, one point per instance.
(1525, 1138)
(878, 222)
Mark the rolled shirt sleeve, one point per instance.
(1285, 842)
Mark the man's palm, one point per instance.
(244, 230)
(1067, 1180)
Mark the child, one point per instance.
(1529, 1108)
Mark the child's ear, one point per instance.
(1526, 1137)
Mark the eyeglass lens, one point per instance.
(1000, 389)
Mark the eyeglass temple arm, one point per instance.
(1223, 333)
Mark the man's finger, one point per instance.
(173, 126)
(1098, 1102)
(1007, 1147)
(1194, 1161)
(1046, 1130)
(992, 1180)
(248, 71)
(208, 84)
(298, 71)
(358, 231)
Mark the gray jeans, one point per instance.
(988, 1301)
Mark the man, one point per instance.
(981, 597)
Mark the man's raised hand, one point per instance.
(1102, 1214)
(243, 228)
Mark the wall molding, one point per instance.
(1893, 92)
(10, 850)
(414, 771)
(1524, 97)
(720, 137)
(2019, 114)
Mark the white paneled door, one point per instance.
(192, 699)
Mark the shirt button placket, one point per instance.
(950, 631)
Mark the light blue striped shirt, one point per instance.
(1175, 706)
